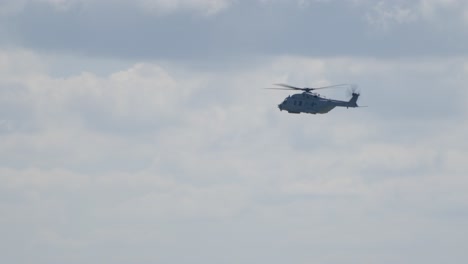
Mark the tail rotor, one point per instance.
(353, 95)
(353, 91)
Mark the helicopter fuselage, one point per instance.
(312, 103)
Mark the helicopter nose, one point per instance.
(280, 106)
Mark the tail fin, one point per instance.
(353, 100)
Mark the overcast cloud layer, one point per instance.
(138, 132)
(221, 29)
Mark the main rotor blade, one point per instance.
(289, 89)
(311, 88)
(288, 86)
(331, 86)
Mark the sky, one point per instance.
(139, 132)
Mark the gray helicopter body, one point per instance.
(312, 103)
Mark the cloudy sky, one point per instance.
(137, 132)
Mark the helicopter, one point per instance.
(312, 103)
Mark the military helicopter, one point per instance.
(313, 103)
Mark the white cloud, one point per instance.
(430, 8)
(12, 7)
(382, 13)
(207, 7)
(151, 153)
(15, 65)
(386, 14)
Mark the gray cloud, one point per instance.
(169, 108)
(245, 29)
(134, 136)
